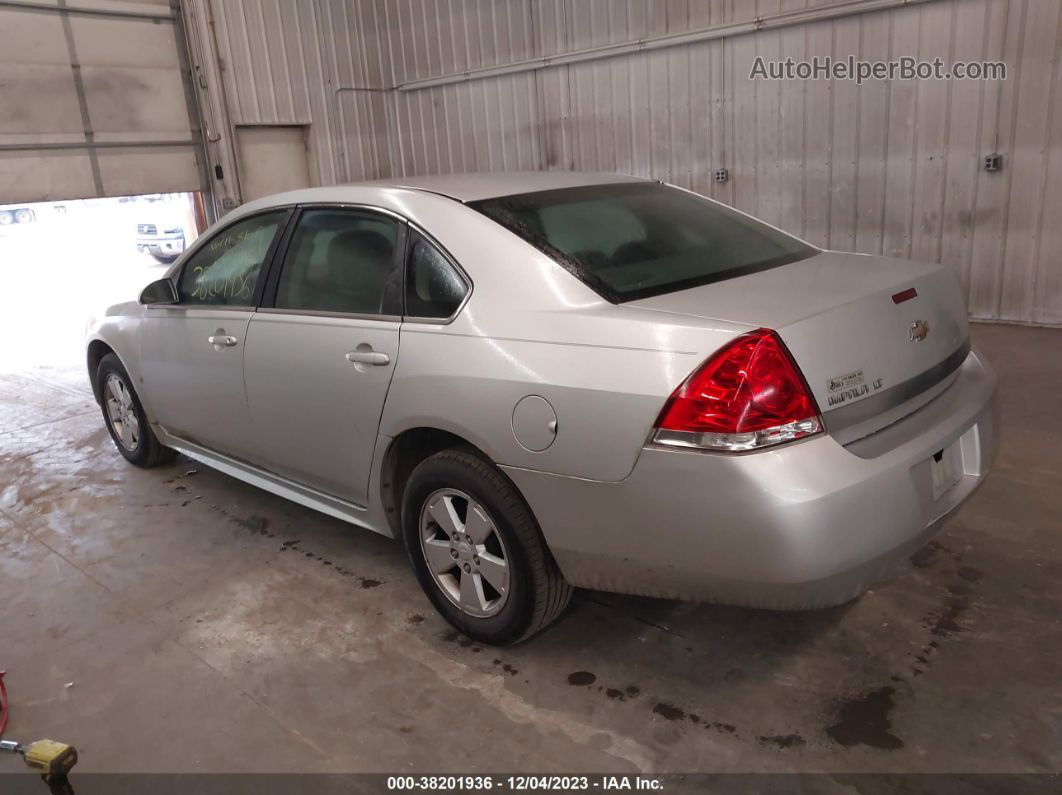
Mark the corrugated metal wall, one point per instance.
(890, 167)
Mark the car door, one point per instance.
(192, 352)
(322, 349)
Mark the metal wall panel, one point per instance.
(888, 168)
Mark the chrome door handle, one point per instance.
(225, 340)
(368, 357)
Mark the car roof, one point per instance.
(473, 187)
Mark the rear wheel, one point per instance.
(25, 216)
(477, 550)
(125, 419)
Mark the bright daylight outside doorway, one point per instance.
(73, 259)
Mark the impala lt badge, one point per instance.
(919, 330)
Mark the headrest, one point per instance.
(359, 244)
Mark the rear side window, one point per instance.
(224, 270)
(635, 240)
(341, 261)
(434, 288)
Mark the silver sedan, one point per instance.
(548, 380)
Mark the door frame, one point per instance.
(267, 298)
(266, 307)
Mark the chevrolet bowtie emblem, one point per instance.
(919, 330)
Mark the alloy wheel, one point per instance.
(121, 412)
(465, 552)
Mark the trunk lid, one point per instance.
(869, 359)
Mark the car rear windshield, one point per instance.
(639, 239)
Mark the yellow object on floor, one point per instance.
(49, 757)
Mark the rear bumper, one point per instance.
(807, 525)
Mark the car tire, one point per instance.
(25, 216)
(165, 259)
(7, 218)
(123, 414)
(535, 592)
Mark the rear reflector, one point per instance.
(749, 394)
(905, 295)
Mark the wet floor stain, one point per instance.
(947, 621)
(294, 545)
(509, 669)
(865, 721)
(931, 554)
(453, 636)
(581, 679)
(616, 694)
(926, 556)
(416, 618)
(947, 624)
(783, 740)
(258, 525)
(959, 588)
(668, 711)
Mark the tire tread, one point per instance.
(154, 453)
(552, 593)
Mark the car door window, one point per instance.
(224, 271)
(341, 261)
(434, 288)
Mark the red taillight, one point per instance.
(749, 394)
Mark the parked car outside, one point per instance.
(542, 381)
(165, 244)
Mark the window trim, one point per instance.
(268, 297)
(269, 275)
(469, 284)
(267, 262)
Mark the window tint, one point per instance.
(341, 261)
(634, 240)
(597, 227)
(434, 288)
(224, 271)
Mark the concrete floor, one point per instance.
(178, 620)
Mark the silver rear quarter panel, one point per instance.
(807, 525)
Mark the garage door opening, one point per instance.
(63, 263)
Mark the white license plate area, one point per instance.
(946, 469)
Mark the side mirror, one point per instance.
(161, 291)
